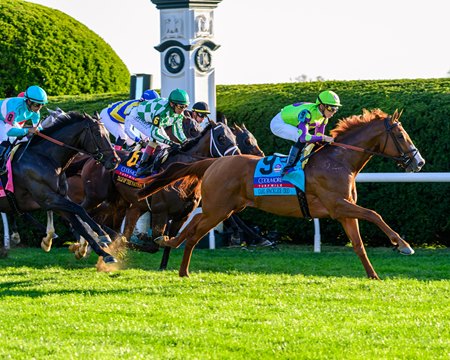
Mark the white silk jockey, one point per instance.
(113, 117)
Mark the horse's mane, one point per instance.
(191, 143)
(356, 121)
(63, 120)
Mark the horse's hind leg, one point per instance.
(351, 228)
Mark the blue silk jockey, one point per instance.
(114, 118)
(14, 113)
(294, 122)
(152, 117)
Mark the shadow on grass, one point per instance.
(292, 260)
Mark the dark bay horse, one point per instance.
(227, 183)
(105, 197)
(247, 144)
(40, 181)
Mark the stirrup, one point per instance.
(143, 170)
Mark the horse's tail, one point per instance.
(173, 173)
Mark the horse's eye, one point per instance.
(248, 142)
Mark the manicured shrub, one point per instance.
(43, 46)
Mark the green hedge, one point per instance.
(43, 46)
(420, 212)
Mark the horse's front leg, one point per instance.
(46, 243)
(351, 228)
(344, 208)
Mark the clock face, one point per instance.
(174, 60)
(203, 59)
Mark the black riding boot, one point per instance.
(145, 164)
(3, 158)
(294, 155)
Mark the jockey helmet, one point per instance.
(328, 97)
(179, 96)
(201, 107)
(36, 94)
(149, 95)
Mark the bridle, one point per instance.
(214, 148)
(403, 160)
(97, 155)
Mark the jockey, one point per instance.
(14, 113)
(199, 112)
(295, 121)
(113, 117)
(151, 117)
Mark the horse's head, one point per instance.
(246, 141)
(191, 127)
(400, 146)
(223, 141)
(380, 134)
(82, 133)
(98, 144)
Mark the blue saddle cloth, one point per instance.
(126, 171)
(267, 179)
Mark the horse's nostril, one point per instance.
(421, 164)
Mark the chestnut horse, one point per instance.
(227, 183)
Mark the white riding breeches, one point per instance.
(145, 127)
(4, 128)
(283, 130)
(115, 128)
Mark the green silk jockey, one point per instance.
(296, 122)
(150, 118)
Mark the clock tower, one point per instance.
(187, 49)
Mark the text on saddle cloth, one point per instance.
(267, 178)
(126, 171)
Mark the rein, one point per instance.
(98, 156)
(213, 148)
(403, 158)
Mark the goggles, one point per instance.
(181, 106)
(331, 108)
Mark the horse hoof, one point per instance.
(104, 241)
(46, 247)
(15, 239)
(160, 240)
(406, 251)
(109, 259)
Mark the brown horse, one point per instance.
(227, 184)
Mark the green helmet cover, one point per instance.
(179, 96)
(328, 97)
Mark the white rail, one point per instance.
(363, 177)
(387, 177)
